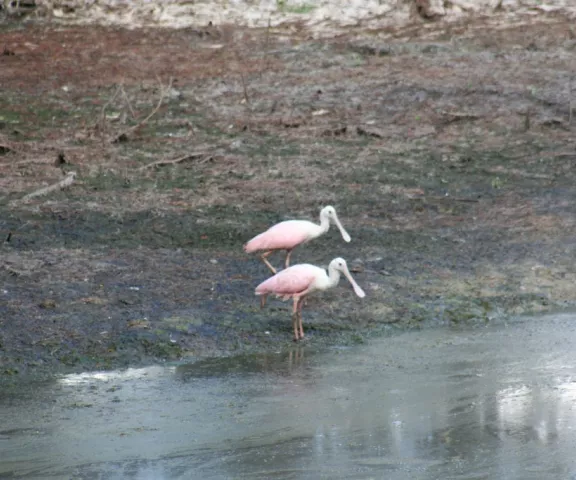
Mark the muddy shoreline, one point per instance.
(450, 163)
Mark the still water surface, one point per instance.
(477, 403)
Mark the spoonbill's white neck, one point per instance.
(333, 276)
(324, 223)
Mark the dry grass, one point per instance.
(255, 119)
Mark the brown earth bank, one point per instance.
(449, 158)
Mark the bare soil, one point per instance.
(448, 156)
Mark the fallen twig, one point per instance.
(527, 117)
(516, 172)
(105, 106)
(451, 117)
(162, 163)
(124, 135)
(266, 42)
(570, 102)
(453, 199)
(564, 154)
(246, 99)
(128, 103)
(22, 163)
(64, 183)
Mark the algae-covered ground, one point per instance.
(447, 151)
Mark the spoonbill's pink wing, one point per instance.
(282, 236)
(291, 281)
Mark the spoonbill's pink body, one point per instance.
(291, 233)
(298, 281)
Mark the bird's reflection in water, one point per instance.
(295, 358)
(279, 364)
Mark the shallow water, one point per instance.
(478, 403)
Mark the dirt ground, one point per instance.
(448, 151)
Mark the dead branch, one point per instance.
(62, 184)
(125, 95)
(451, 117)
(123, 135)
(266, 42)
(246, 99)
(162, 163)
(452, 199)
(12, 271)
(564, 154)
(570, 101)
(106, 105)
(27, 162)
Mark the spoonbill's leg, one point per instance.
(289, 252)
(295, 318)
(265, 260)
(301, 328)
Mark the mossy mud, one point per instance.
(452, 171)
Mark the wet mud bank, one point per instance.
(450, 163)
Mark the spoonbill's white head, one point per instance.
(340, 265)
(329, 213)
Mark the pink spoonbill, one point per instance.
(300, 280)
(291, 233)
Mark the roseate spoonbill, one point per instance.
(298, 281)
(291, 233)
